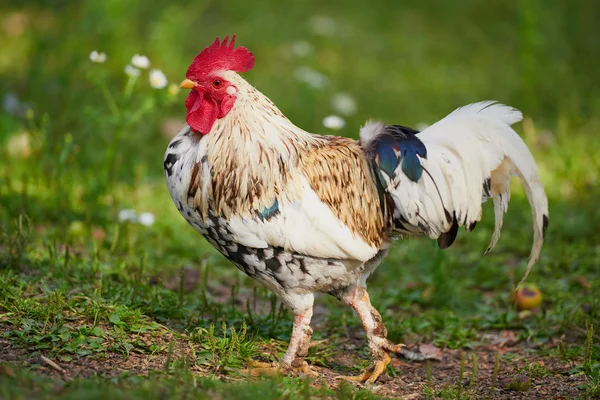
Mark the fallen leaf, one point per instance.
(505, 337)
(425, 352)
(430, 349)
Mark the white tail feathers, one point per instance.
(492, 121)
(471, 156)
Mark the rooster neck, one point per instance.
(252, 154)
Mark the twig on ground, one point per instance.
(53, 365)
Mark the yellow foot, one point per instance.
(304, 369)
(370, 375)
(259, 368)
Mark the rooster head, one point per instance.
(212, 96)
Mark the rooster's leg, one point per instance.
(299, 343)
(293, 360)
(358, 298)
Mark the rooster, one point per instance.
(303, 213)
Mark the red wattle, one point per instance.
(202, 112)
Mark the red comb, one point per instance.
(220, 55)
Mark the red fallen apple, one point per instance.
(528, 297)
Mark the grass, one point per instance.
(129, 310)
(178, 383)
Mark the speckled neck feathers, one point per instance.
(253, 154)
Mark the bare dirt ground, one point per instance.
(410, 382)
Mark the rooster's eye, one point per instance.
(217, 83)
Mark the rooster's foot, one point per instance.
(259, 368)
(379, 365)
(370, 375)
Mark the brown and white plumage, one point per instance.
(305, 213)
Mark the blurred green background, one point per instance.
(82, 141)
(409, 62)
(405, 62)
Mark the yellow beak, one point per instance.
(188, 84)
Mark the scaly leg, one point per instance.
(293, 360)
(299, 344)
(358, 298)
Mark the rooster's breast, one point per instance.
(280, 269)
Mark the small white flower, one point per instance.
(19, 146)
(334, 122)
(343, 103)
(312, 77)
(421, 126)
(146, 218)
(132, 71)
(97, 57)
(301, 48)
(324, 26)
(140, 61)
(158, 80)
(127, 215)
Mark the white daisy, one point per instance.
(97, 57)
(334, 122)
(132, 71)
(324, 26)
(127, 215)
(343, 103)
(146, 218)
(140, 61)
(312, 77)
(158, 80)
(301, 48)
